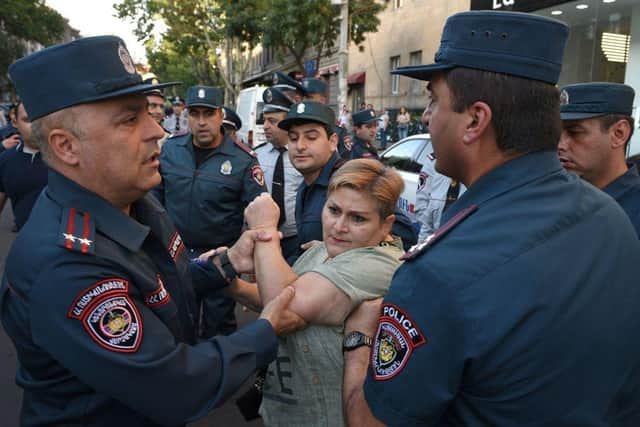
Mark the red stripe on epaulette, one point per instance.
(244, 147)
(439, 234)
(84, 248)
(70, 226)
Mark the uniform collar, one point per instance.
(327, 171)
(109, 220)
(512, 174)
(623, 183)
(225, 147)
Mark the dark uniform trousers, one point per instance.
(520, 310)
(206, 203)
(101, 309)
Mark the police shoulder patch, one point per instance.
(257, 174)
(175, 246)
(109, 316)
(422, 180)
(395, 340)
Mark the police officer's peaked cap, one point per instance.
(283, 82)
(151, 78)
(312, 85)
(231, 118)
(274, 101)
(514, 43)
(82, 71)
(204, 96)
(585, 100)
(308, 112)
(176, 100)
(364, 116)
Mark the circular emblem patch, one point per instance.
(125, 58)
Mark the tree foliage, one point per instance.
(22, 21)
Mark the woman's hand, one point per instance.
(263, 212)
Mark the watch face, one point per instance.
(354, 338)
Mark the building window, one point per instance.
(415, 58)
(398, 3)
(395, 79)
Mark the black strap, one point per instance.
(277, 189)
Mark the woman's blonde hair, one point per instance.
(370, 176)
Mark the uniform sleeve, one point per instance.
(90, 319)
(254, 183)
(363, 273)
(403, 228)
(418, 355)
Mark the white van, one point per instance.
(249, 109)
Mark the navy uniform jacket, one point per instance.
(626, 190)
(361, 149)
(524, 313)
(207, 203)
(343, 151)
(101, 310)
(23, 175)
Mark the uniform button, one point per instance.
(305, 348)
(315, 380)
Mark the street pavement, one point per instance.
(11, 395)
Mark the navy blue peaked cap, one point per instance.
(364, 116)
(585, 100)
(514, 43)
(231, 118)
(275, 101)
(204, 96)
(312, 85)
(283, 82)
(82, 71)
(308, 112)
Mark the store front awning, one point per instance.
(357, 78)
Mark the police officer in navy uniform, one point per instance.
(97, 294)
(281, 177)
(597, 126)
(231, 123)
(365, 124)
(521, 309)
(207, 180)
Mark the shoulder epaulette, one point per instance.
(77, 231)
(178, 134)
(257, 147)
(337, 165)
(244, 147)
(439, 234)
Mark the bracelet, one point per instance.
(229, 272)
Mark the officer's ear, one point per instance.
(64, 146)
(619, 133)
(333, 141)
(478, 116)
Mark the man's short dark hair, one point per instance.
(525, 113)
(608, 120)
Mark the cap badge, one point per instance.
(305, 83)
(126, 60)
(226, 168)
(275, 79)
(201, 93)
(564, 97)
(300, 108)
(269, 96)
(372, 113)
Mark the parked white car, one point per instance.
(407, 156)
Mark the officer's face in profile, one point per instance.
(585, 148)
(447, 127)
(272, 132)
(350, 220)
(24, 127)
(366, 132)
(155, 107)
(316, 97)
(115, 152)
(205, 123)
(310, 148)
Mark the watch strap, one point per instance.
(229, 272)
